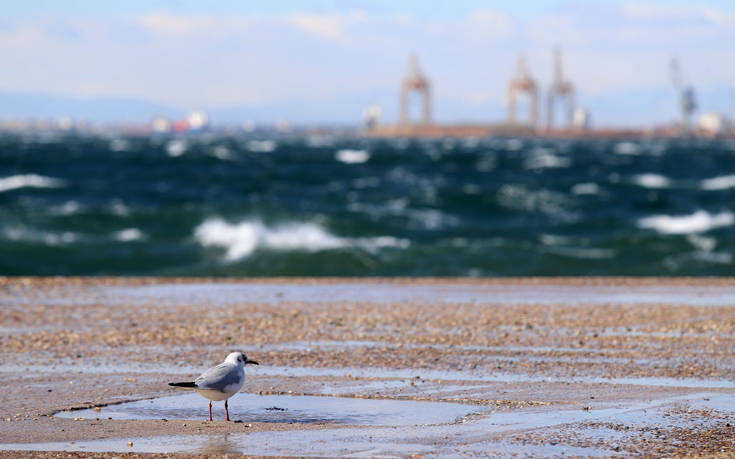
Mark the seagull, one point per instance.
(220, 382)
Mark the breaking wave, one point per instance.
(242, 239)
(29, 181)
(719, 183)
(176, 147)
(652, 181)
(352, 156)
(698, 222)
(627, 148)
(262, 146)
(28, 235)
(128, 235)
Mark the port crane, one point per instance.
(561, 88)
(415, 81)
(687, 99)
(523, 83)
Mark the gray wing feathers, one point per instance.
(219, 377)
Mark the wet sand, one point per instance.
(535, 367)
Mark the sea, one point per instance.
(317, 205)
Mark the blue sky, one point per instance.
(224, 53)
(419, 8)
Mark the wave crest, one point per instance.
(719, 183)
(698, 222)
(352, 156)
(242, 239)
(29, 181)
(652, 181)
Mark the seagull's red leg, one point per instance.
(227, 411)
(210, 410)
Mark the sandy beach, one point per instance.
(383, 367)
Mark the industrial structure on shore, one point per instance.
(533, 109)
(524, 87)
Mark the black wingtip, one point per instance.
(182, 384)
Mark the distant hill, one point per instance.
(624, 108)
(39, 106)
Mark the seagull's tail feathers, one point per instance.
(183, 385)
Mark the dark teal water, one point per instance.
(239, 206)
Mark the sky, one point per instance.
(322, 54)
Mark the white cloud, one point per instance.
(324, 25)
(328, 25)
(719, 18)
(172, 24)
(648, 12)
(183, 26)
(485, 25)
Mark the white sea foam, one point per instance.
(14, 182)
(221, 152)
(352, 156)
(117, 207)
(431, 219)
(565, 246)
(651, 181)
(301, 236)
(719, 183)
(627, 148)
(698, 222)
(552, 203)
(68, 208)
(128, 234)
(242, 239)
(586, 188)
(555, 239)
(66, 237)
(542, 158)
(714, 257)
(176, 147)
(30, 235)
(119, 145)
(513, 144)
(261, 146)
(703, 243)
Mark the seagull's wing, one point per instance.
(219, 377)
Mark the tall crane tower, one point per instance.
(523, 83)
(560, 89)
(415, 81)
(687, 99)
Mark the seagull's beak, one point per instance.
(251, 361)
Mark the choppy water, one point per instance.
(223, 205)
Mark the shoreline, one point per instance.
(588, 349)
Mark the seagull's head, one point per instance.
(239, 358)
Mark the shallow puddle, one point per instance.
(287, 409)
(335, 443)
(471, 435)
(222, 293)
